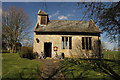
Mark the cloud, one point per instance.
(68, 15)
(109, 45)
(55, 14)
(107, 42)
(65, 17)
(73, 10)
(62, 17)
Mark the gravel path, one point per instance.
(50, 69)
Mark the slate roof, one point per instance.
(68, 26)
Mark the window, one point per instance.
(86, 43)
(63, 43)
(90, 43)
(66, 42)
(43, 20)
(83, 43)
(70, 42)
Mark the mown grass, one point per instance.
(14, 66)
(89, 69)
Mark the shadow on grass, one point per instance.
(101, 66)
(107, 69)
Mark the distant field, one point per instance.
(111, 55)
(15, 67)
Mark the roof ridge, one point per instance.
(95, 24)
(65, 20)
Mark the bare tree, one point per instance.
(114, 48)
(28, 41)
(103, 46)
(16, 26)
(105, 15)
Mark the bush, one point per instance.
(26, 52)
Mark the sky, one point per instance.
(56, 11)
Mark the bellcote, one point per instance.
(42, 18)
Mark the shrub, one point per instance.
(26, 52)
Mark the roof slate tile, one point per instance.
(68, 26)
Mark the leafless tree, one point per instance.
(103, 46)
(105, 15)
(16, 25)
(28, 41)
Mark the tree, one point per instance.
(28, 41)
(16, 25)
(114, 48)
(105, 15)
(109, 21)
(103, 46)
(0, 28)
(18, 46)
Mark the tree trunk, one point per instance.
(10, 48)
(13, 48)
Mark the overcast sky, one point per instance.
(56, 11)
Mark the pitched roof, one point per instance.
(68, 26)
(41, 12)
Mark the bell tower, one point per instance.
(42, 18)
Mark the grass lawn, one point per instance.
(88, 69)
(14, 66)
(111, 55)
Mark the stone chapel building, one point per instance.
(73, 38)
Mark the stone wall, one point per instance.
(56, 40)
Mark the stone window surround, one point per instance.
(68, 47)
(85, 43)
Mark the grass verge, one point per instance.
(14, 66)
